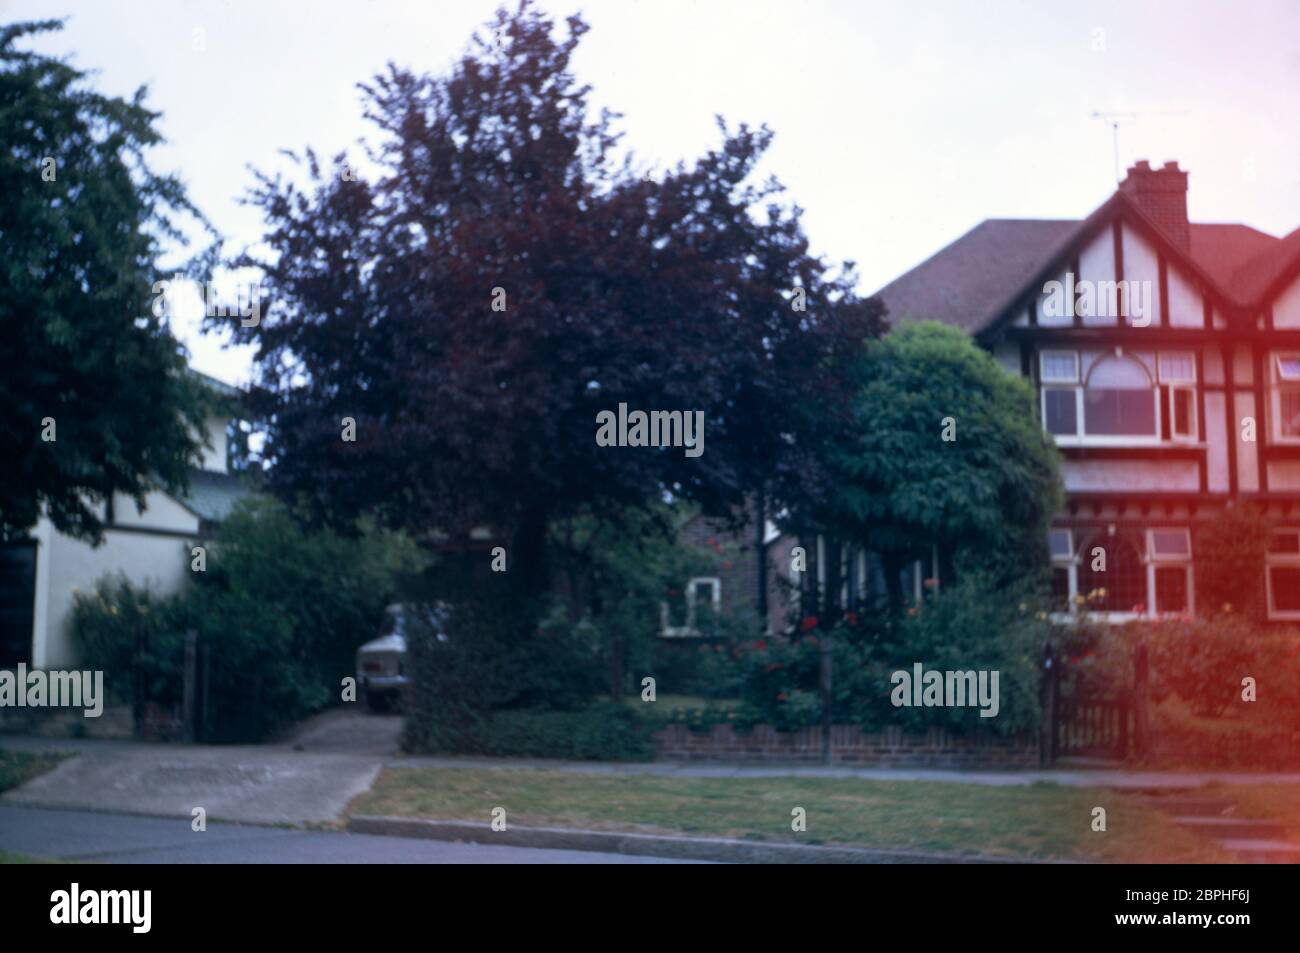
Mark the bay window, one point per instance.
(1113, 398)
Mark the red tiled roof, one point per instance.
(970, 282)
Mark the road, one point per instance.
(128, 839)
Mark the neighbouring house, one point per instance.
(150, 547)
(748, 580)
(1166, 359)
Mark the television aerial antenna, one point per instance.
(1116, 119)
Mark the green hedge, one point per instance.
(604, 732)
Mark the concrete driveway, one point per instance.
(308, 778)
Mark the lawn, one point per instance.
(17, 767)
(1036, 821)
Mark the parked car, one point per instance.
(382, 678)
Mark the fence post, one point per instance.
(1141, 697)
(827, 713)
(189, 697)
(137, 684)
(1047, 694)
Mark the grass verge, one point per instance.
(1040, 821)
(18, 767)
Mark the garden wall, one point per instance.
(850, 745)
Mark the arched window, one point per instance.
(1112, 574)
(1119, 399)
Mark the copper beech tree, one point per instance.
(498, 273)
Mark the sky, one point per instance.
(900, 124)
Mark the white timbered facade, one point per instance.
(1166, 359)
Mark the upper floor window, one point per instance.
(1285, 374)
(1118, 398)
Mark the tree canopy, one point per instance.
(93, 382)
(504, 276)
(946, 451)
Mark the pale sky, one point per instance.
(900, 123)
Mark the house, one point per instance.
(748, 581)
(39, 577)
(1165, 355)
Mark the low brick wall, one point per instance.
(850, 745)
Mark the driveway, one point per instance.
(308, 778)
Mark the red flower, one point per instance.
(782, 697)
(809, 622)
(851, 618)
(761, 645)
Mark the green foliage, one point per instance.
(1231, 551)
(605, 732)
(965, 627)
(986, 496)
(82, 239)
(281, 611)
(126, 633)
(1203, 662)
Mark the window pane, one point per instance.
(1177, 368)
(1285, 542)
(1059, 366)
(1170, 542)
(1171, 589)
(1060, 589)
(1119, 582)
(1285, 582)
(1059, 542)
(1184, 422)
(1289, 401)
(1117, 413)
(1288, 368)
(1060, 411)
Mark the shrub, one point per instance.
(129, 633)
(609, 731)
(1203, 662)
(968, 626)
(280, 612)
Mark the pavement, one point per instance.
(117, 839)
(308, 779)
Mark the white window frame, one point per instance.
(1174, 384)
(1069, 562)
(1277, 384)
(1290, 560)
(715, 600)
(1080, 386)
(1157, 560)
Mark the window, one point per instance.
(703, 591)
(1118, 399)
(1060, 543)
(1178, 376)
(1282, 575)
(1286, 396)
(1112, 574)
(1171, 557)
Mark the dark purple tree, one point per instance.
(694, 292)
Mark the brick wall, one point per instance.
(850, 745)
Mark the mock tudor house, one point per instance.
(1166, 359)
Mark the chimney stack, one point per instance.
(1162, 195)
